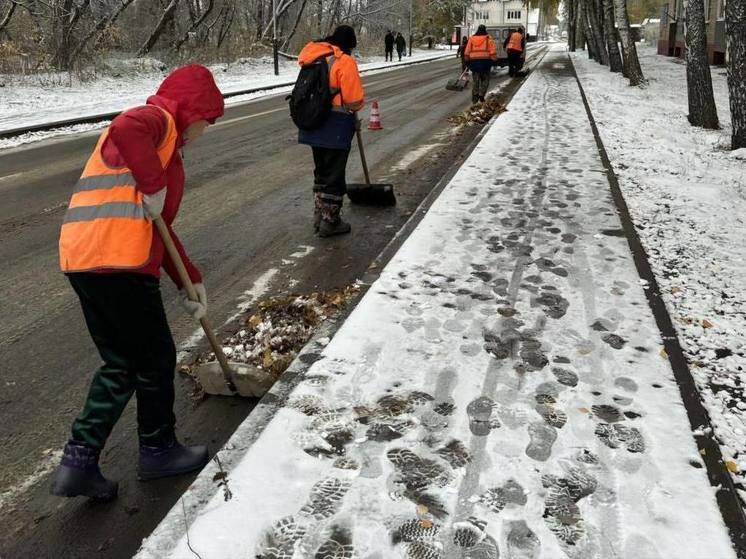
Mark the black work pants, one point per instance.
(125, 317)
(329, 171)
(514, 62)
(399, 52)
(389, 55)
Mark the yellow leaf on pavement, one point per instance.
(422, 509)
(267, 359)
(732, 466)
(664, 353)
(707, 324)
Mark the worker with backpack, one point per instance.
(323, 103)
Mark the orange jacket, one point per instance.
(343, 74)
(105, 226)
(480, 47)
(515, 42)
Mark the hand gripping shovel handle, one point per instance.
(362, 151)
(217, 348)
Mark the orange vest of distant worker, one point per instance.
(480, 47)
(516, 41)
(105, 226)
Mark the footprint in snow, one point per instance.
(542, 438)
(522, 542)
(480, 416)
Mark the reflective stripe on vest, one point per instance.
(482, 51)
(105, 225)
(516, 40)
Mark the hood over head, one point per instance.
(315, 50)
(190, 94)
(481, 30)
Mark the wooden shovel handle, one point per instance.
(217, 348)
(362, 153)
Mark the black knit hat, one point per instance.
(344, 38)
(481, 30)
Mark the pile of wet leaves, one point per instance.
(479, 113)
(271, 337)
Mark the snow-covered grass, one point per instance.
(687, 196)
(29, 100)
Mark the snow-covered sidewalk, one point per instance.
(31, 100)
(498, 392)
(687, 196)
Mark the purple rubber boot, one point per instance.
(78, 475)
(171, 459)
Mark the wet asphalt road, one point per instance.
(245, 221)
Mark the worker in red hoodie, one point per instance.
(331, 141)
(112, 255)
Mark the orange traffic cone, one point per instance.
(375, 118)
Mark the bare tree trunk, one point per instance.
(320, 22)
(702, 110)
(225, 25)
(585, 29)
(195, 24)
(598, 39)
(8, 16)
(295, 25)
(735, 24)
(166, 18)
(99, 28)
(65, 17)
(615, 58)
(572, 8)
(631, 62)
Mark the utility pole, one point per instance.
(274, 38)
(411, 4)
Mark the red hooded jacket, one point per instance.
(189, 94)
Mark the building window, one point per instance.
(514, 14)
(721, 9)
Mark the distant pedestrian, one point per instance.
(401, 45)
(331, 139)
(112, 256)
(515, 44)
(461, 53)
(388, 42)
(481, 54)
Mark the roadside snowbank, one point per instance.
(687, 196)
(39, 99)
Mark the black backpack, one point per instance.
(311, 98)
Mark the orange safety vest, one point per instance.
(481, 46)
(516, 41)
(105, 225)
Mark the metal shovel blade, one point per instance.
(456, 84)
(250, 381)
(371, 194)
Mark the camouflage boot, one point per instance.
(331, 222)
(317, 202)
